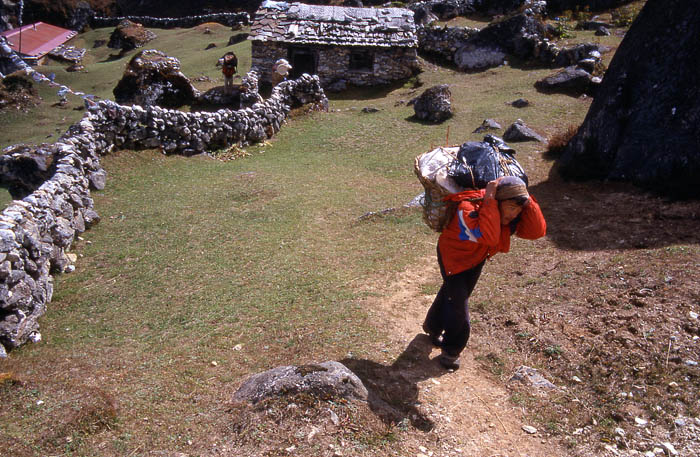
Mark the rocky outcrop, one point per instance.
(434, 105)
(642, 125)
(129, 35)
(327, 380)
(151, 78)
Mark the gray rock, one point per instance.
(518, 131)
(476, 57)
(434, 105)
(571, 80)
(488, 124)
(97, 179)
(520, 103)
(327, 379)
(602, 31)
(530, 377)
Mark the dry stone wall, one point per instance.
(37, 231)
(229, 19)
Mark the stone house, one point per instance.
(358, 46)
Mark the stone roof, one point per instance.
(300, 23)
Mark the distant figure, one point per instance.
(229, 66)
(280, 71)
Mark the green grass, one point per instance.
(251, 263)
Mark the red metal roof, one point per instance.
(38, 39)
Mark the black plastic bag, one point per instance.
(480, 162)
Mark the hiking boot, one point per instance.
(448, 361)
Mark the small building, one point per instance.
(360, 46)
(32, 42)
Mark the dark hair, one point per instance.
(520, 201)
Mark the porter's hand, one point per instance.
(491, 189)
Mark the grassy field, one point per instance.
(204, 271)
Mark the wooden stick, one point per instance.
(447, 137)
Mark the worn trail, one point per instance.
(466, 412)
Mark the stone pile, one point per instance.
(68, 53)
(230, 19)
(37, 231)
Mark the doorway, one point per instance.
(303, 60)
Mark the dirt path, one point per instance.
(465, 412)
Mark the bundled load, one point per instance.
(449, 170)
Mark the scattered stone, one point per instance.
(529, 429)
(670, 450)
(210, 46)
(434, 105)
(592, 25)
(520, 103)
(370, 109)
(571, 80)
(640, 422)
(576, 379)
(76, 67)
(531, 377)
(602, 31)
(99, 43)
(237, 38)
(518, 131)
(324, 379)
(3, 352)
(488, 124)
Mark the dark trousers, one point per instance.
(449, 313)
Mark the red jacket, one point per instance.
(475, 232)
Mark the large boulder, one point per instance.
(643, 124)
(152, 78)
(324, 380)
(434, 105)
(129, 35)
(519, 36)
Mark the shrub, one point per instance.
(558, 141)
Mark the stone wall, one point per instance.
(443, 42)
(229, 19)
(37, 231)
(333, 63)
